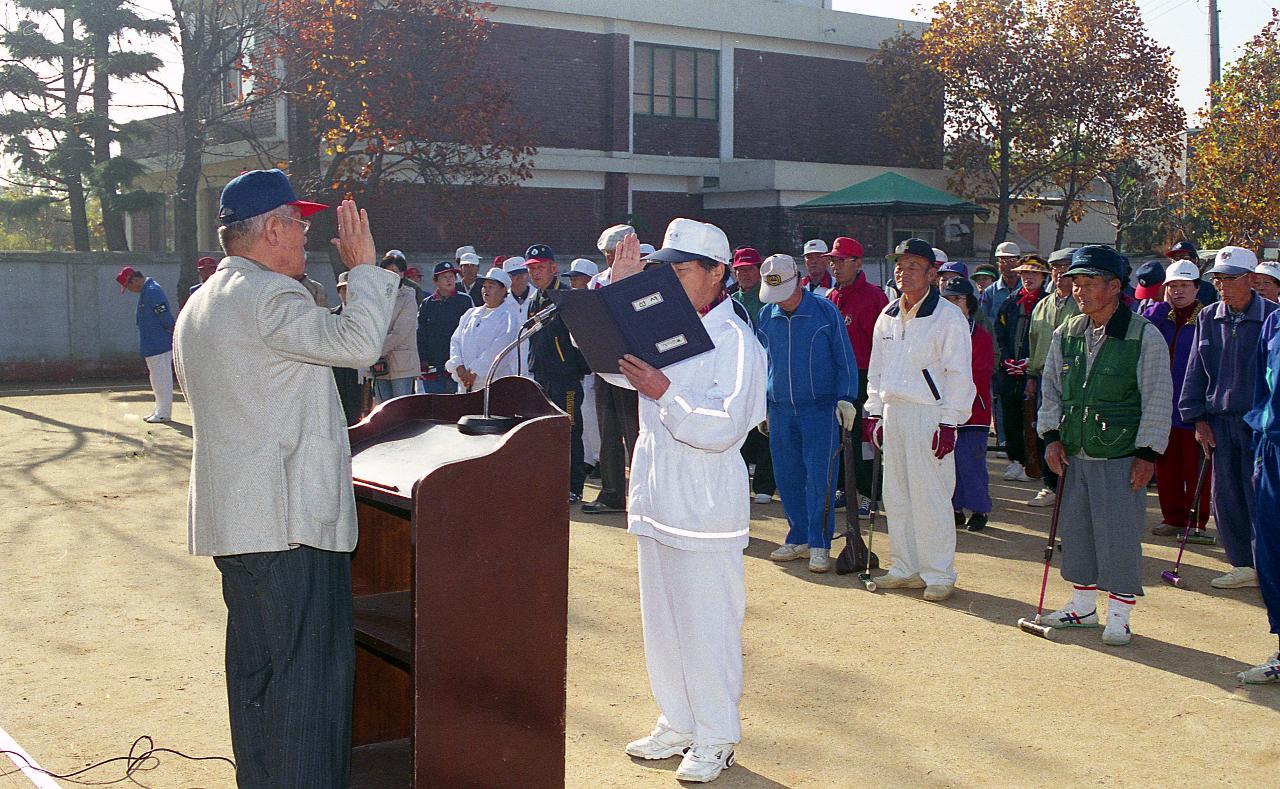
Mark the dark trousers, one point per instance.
(853, 456)
(1176, 472)
(1267, 545)
(618, 411)
(566, 393)
(1012, 390)
(756, 450)
(290, 662)
(1233, 495)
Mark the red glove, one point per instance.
(873, 431)
(1015, 367)
(944, 441)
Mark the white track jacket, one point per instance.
(481, 333)
(689, 486)
(926, 360)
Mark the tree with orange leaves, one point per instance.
(1235, 158)
(393, 91)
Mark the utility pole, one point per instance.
(1215, 57)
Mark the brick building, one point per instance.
(732, 111)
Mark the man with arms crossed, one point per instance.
(271, 497)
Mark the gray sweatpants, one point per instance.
(1101, 523)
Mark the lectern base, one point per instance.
(475, 425)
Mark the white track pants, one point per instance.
(917, 495)
(160, 368)
(691, 606)
(590, 422)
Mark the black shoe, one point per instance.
(959, 519)
(574, 498)
(977, 522)
(597, 507)
(591, 472)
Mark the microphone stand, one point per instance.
(487, 424)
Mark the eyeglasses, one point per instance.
(1227, 277)
(306, 223)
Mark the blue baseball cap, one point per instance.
(954, 267)
(540, 252)
(1097, 260)
(913, 246)
(257, 192)
(445, 267)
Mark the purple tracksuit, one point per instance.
(1218, 389)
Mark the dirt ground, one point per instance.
(110, 631)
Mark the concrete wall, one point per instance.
(63, 318)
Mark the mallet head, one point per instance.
(1171, 578)
(1035, 628)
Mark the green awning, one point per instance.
(892, 194)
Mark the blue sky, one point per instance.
(1180, 24)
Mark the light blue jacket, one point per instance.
(810, 358)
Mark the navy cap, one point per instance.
(444, 267)
(913, 246)
(958, 286)
(1097, 260)
(954, 267)
(1150, 278)
(257, 192)
(1184, 246)
(540, 252)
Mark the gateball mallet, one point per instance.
(1033, 626)
(1172, 577)
(865, 575)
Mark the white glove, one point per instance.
(846, 414)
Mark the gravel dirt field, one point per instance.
(110, 631)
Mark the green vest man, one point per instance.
(1106, 398)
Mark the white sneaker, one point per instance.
(1019, 474)
(1069, 617)
(1011, 471)
(789, 552)
(1116, 634)
(1238, 578)
(819, 560)
(1265, 674)
(1043, 498)
(936, 593)
(704, 763)
(154, 418)
(763, 498)
(891, 581)
(663, 743)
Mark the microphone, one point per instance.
(539, 318)
(486, 424)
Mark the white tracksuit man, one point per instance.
(481, 334)
(688, 506)
(920, 376)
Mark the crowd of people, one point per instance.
(816, 376)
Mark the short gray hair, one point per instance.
(239, 234)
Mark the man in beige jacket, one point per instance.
(270, 496)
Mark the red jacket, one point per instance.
(984, 365)
(860, 303)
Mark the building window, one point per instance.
(676, 82)
(235, 84)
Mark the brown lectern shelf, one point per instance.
(460, 586)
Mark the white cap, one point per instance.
(582, 266)
(394, 253)
(610, 236)
(467, 250)
(779, 277)
(468, 259)
(939, 256)
(515, 264)
(687, 239)
(1269, 267)
(1008, 250)
(646, 249)
(498, 275)
(1234, 261)
(815, 245)
(1181, 271)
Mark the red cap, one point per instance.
(497, 260)
(124, 276)
(746, 256)
(413, 273)
(845, 248)
(206, 264)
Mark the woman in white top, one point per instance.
(483, 332)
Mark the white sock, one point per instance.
(1084, 599)
(1119, 607)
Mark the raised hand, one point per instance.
(626, 258)
(355, 240)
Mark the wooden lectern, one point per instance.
(460, 583)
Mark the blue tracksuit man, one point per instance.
(1264, 418)
(811, 367)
